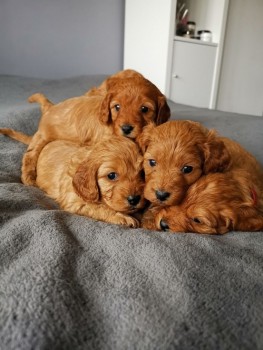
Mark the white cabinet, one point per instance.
(196, 83)
(150, 46)
(193, 67)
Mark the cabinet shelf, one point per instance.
(194, 41)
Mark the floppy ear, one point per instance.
(85, 181)
(145, 137)
(216, 155)
(105, 112)
(163, 113)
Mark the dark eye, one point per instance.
(144, 109)
(152, 162)
(112, 176)
(196, 220)
(187, 169)
(117, 107)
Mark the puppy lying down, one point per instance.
(122, 105)
(103, 182)
(178, 153)
(198, 181)
(215, 204)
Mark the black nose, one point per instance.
(134, 200)
(162, 195)
(127, 129)
(164, 226)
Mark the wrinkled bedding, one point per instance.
(70, 282)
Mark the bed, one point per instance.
(69, 282)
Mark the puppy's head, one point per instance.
(131, 103)
(215, 204)
(112, 174)
(176, 154)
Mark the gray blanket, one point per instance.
(69, 282)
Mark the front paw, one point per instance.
(126, 220)
(149, 219)
(29, 178)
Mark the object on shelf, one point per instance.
(191, 28)
(205, 35)
(181, 18)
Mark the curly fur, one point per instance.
(176, 154)
(78, 178)
(215, 204)
(122, 105)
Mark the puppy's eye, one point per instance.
(152, 162)
(117, 107)
(196, 220)
(144, 109)
(187, 169)
(112, 176)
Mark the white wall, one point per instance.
(208, 15)
(241, 81)
(61, 38)
(148, 37)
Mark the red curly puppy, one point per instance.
(122, 105)
(215, 204)
(102, 181)
(176, 154)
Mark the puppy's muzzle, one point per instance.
(162, 195)
(134, 200)
(126, 129)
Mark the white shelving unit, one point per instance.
(186, 70)
(192, 72)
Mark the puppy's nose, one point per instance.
(162, 195)
(127, 129)
(134, 200)
(164, 226)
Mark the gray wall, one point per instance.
(241, 82)
(61, 38)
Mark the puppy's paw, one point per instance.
(29, 179)
(148, 219)
(126, 220)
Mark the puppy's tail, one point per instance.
(45, 104)
(16, 135)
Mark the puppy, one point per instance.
(122, 105)
(103, 181)
(214, 204)
(176, 154)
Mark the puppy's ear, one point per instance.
(216, 155)
(145, 137)
(163, 113)
(105, 112)
(85, 181)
